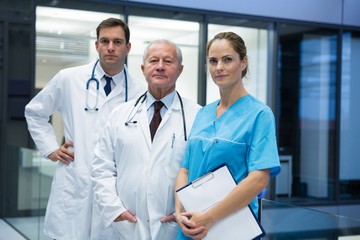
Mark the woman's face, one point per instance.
(224, 64)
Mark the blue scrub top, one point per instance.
(243, 138)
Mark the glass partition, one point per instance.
(307, 90)
(283, 221)
(31, 177)
(349, 175)
(307, 109)
(279, 220)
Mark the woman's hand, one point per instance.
(191, 224)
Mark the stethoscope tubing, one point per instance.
(97, 82)
(142, 99)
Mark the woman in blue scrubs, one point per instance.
(237, 130)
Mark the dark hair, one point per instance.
(113, 22)
(236, 42)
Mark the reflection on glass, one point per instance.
(279, 220)
(307, 119)
(316, 110)
(28, 198)
(184, 34)
(256, 42)
(350, 117)
(282, 221)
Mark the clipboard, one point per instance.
(204, 192)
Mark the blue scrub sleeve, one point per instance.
(263, 153)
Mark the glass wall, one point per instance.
(306, 81)
(314, 168)
(18, 82)
(30, 182)
(307, 110)
(283, 221)
(349, 175)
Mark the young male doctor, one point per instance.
(134, 171)
(78, 94)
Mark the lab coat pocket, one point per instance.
(123, 229)
(76, 190)
(177, 154)
(170, 230)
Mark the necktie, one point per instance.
(107, 87)
(155, 122)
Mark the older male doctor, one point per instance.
(134, 175)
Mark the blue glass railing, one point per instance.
(28, 181)
(284, 221)
(33, 174)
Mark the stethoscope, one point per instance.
(97, 82)
(141, 100)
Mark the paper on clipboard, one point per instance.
(205, 192)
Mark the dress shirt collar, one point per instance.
(117, 78)
(167, 100)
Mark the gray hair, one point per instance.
(178, 50)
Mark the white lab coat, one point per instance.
(131, 173)
(69, 210)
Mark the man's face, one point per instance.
(161, 68)
(112, 48)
